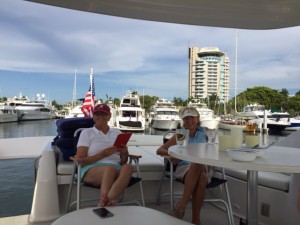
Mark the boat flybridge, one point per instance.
(279, 190)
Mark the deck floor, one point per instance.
(210, 215)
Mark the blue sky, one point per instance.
(40, 47)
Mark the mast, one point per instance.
(74, 100)
(235, 77)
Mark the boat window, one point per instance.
(129, 114)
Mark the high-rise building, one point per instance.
(209, 73)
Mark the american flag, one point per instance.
(89, 101)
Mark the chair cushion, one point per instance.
(215, 182)
(67, 127)
(277, 181)
(66, 146)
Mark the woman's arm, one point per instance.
(163, 150)
(82, 158)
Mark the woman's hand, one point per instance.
(123, 154)
(123, 150)
(80, 161)
(111, 150)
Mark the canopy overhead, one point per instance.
(241, 14)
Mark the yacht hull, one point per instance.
(165, 124)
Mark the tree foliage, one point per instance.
(271, 98)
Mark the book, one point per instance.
(122, 139)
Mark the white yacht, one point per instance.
(130, 115)
(164, 115)
(16, 101)
(286, 117)
(259, 112)
(75, 112)
(38, 109)
(207, 116)
(7, 113)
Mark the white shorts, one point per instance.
(183, 167)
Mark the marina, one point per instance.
(261, 189)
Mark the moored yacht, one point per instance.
(38, 109)
(16, 101)
(207, 116)
(164, 115)
(262, 115)
(130, 115)
(75, 112)
(7, 113)
(286, 117)
(236, 121)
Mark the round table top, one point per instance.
(276, 158)
(133, 215)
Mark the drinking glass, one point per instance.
(211, 135)
(182, 138)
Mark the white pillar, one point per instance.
(45, 204)
(265, 128)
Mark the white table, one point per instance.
(276, 159)
(133, 215)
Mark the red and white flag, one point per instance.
(89, 101)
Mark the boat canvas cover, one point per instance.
(65, 139)
(67, 127)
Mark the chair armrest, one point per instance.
(167, 157)
(134, 156)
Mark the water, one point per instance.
(17, 175)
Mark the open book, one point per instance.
(122, 139)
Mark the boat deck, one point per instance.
(210, 215)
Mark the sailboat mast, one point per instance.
(74, 91)
(235, 77)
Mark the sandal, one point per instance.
(177, 213)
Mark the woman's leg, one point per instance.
(190, 181)
(104, 177)
(198, 198)
(121, 182)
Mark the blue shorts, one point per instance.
(87, 167)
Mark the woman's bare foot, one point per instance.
(103, 200)
(111, 202)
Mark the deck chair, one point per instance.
(213, 183)
(79, 183)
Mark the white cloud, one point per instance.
(151, 56)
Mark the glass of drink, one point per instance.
(211, 135)
(182, 138)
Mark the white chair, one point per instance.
(76, 174)
(213, 183)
